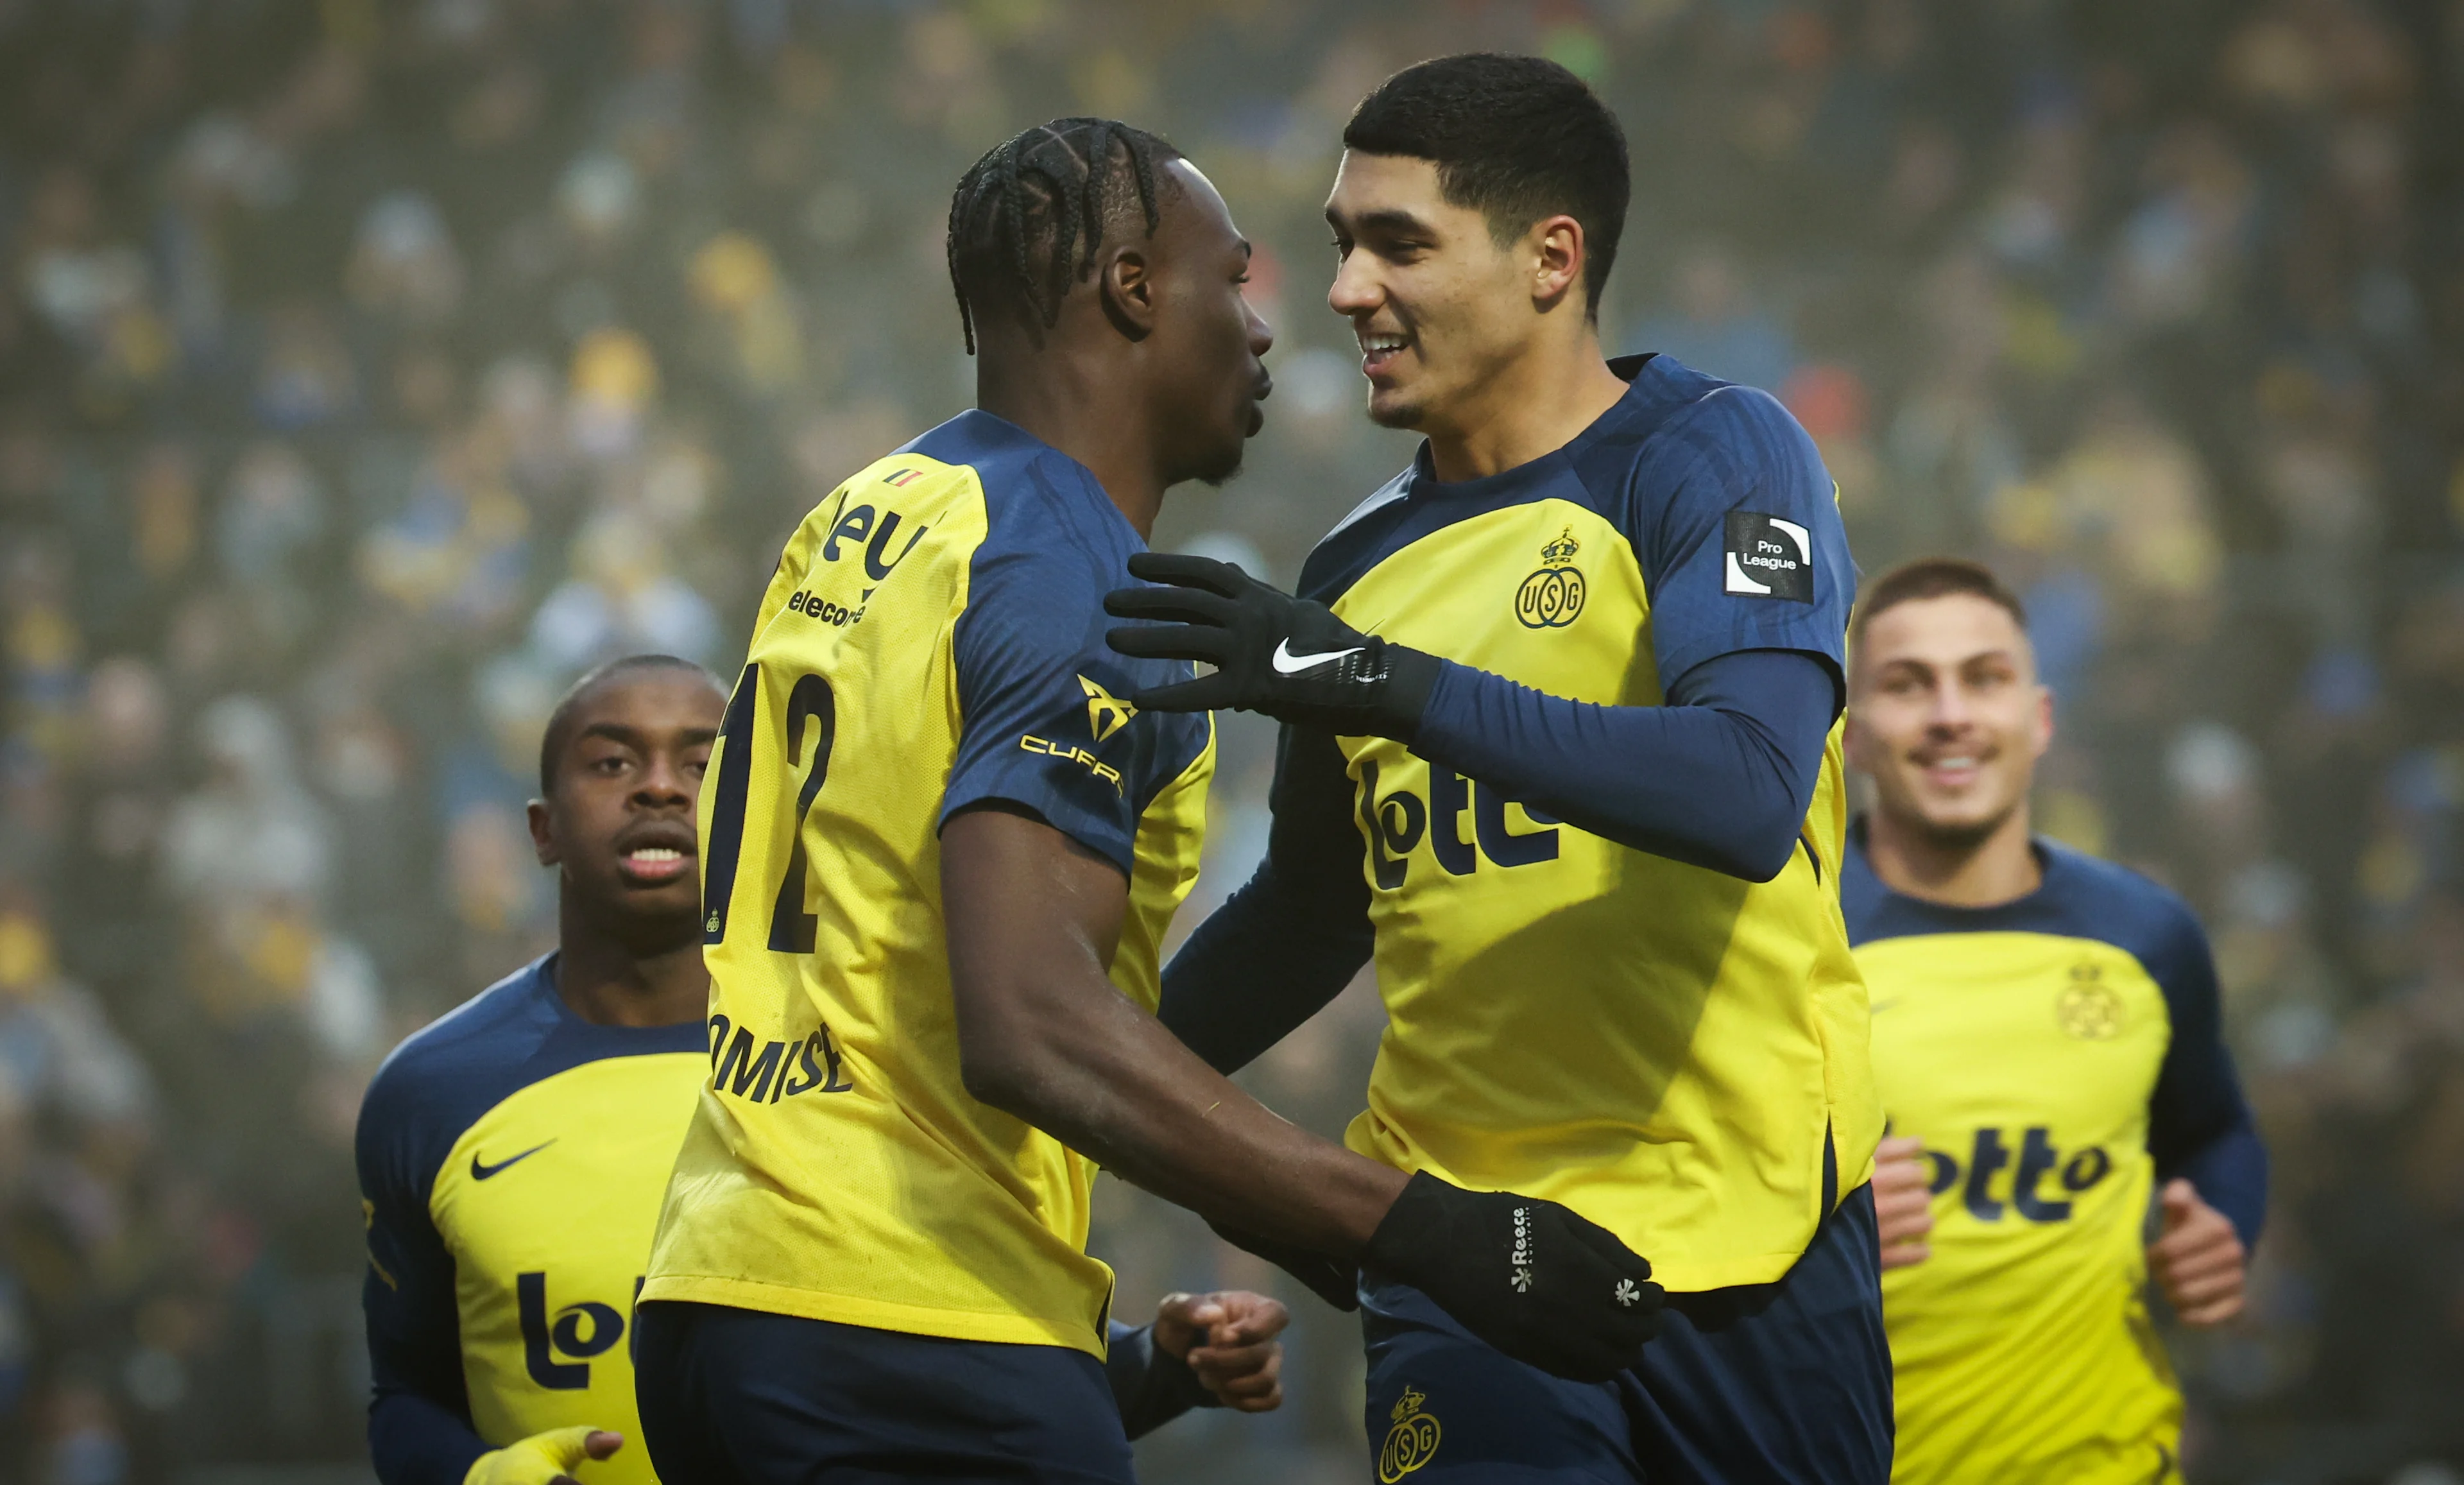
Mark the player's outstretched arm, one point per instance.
(1721, 777)
(1286, 942)
(1033, 920)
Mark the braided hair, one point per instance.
(1021, 210)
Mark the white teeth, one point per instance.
(1379, 342)
(654, 853)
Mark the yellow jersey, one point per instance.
(1676, 1053)
(933, 640)
(2056, 1054)
(511, 1159)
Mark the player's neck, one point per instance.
(2001, 868)
(1533, 406)
(1073, 407)
(608, 982)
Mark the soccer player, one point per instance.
(2046, 1037)
(940, 848)
(513, 1155)
(1559, 751)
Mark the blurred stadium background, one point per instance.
(368, 369)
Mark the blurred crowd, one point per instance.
(369, 368)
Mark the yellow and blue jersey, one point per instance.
(1672, 1049)
(2057, 1055)
(512, 1158)
(932, 640)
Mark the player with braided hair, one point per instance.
(1043, 174)
(939, 854)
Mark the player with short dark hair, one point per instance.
(1560, 753)
(2048, 1040)
(513, 1155)
(940, 849)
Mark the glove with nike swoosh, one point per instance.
(1290, 658)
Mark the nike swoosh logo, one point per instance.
(1287, 663)
(481, 1172)
(1878, 1008)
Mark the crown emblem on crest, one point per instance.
(1408, 1403)
(1561, 551)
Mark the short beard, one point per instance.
(1959, 839)
(649, 935)
(1215, 477)
(1409, 415)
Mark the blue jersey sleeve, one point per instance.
(1737, 524)
(1288, 940)
(419, 1415)
(2199, 1126)
(1149, 1386)
(1043, 720)
(1721, 777)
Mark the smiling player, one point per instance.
(513, 1155)
(2048, 1041)
(1559, 752)
(941, 850)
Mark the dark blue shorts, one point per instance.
(739, 1397)
(1786, 1383)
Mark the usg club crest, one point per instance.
(1553, 597)
(1411, 1441)
(2087, 1008)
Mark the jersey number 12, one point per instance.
(808, 702)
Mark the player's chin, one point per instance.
(1963, 822)
(1221, 464)
(1390, 407)
(657, 892)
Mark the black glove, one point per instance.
(1336, 1283)
(1288, 658)
(1530, 1277)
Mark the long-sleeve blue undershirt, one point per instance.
(1718, 778)
(1721, 777)
(2199, 1125)
(2230, 1173)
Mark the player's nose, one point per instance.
(1355, 290)
(664, 783)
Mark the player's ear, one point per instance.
(1127, 287)
(542, 838)
(2044, 719)
(1556, 250)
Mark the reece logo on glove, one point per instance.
(1522, 1256)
